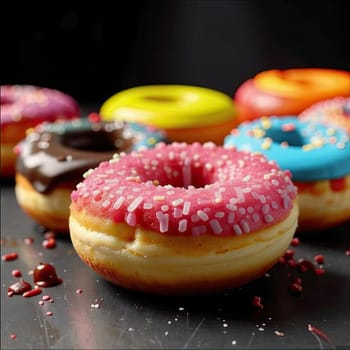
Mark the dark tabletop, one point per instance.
(86, 312)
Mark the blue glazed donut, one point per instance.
(318, 157)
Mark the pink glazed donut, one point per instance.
(23, 107)
(332, 112)
(183, 218)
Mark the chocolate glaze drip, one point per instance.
(19, 287)
(45, 275)
(64, 152)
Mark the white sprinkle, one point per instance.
(219, 214)
(147, 206)
(274, 205)
(242, 211)
(106, 203)
(118, 202)
(250, 210)
(262, 199)
(240, 194)
(202, 215)
(177, 213)
(246, 178)
(268, 218)
(130, 219)
(96, 192)
(231, 218)
(135, 203)
(208, 166)
(255, 195)
(245, 226)
(158, 198)
(186, 208)
(265, 208)
(216, 227)
(286, 202)
(237, 229)
(163, 221)
(275, 182)
(218, 197)
(231, 207)
(256, 217)
(87, 173)
(182, 225)
(164, 207)
(177, 202)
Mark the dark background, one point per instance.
(93, 50)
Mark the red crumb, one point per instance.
(49, 313)
(28, 240)
(94, 117)
(279, 333)
(32, 293)
(16, 273)
(319, 271)
(10, 256)
(289, 254)
(292, 263)
(319, 259)
(295, 288)
(79, 291)
(13, 336)
(49, 243)
(347, 252)
(305, 265)
(295, 241)
(19, 288)
(256, 302)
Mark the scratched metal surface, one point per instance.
(128, 320)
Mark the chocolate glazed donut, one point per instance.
(53, 158)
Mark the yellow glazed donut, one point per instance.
(186, 113)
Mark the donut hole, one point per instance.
(292, 136)
(162, 99)
(100, 141)
(177, 173)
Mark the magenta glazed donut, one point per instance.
(183, 218)
(23, 107)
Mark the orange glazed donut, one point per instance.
(23, 107)
(183, 218)
(288, 92)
